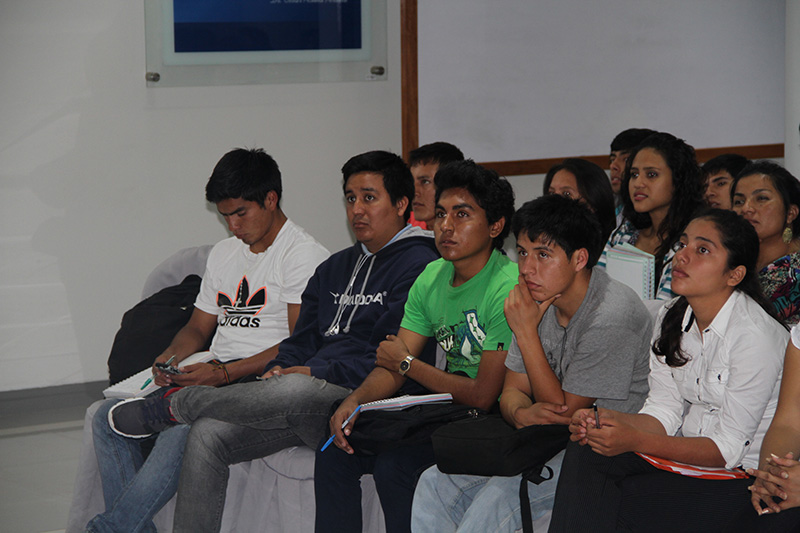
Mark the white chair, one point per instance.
(273, 494)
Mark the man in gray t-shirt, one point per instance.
(602, 351)
(580, 338)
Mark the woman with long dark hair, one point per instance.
(664, 191)
(715, 365)
(768, 196)
(580, 179)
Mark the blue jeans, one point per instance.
(240, 423)
(449, 503)
(134, 489)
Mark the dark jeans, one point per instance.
(337, 486)
(626, 493)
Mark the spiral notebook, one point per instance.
(402, 402)
(633, 267)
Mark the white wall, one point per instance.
(792, 146)
(521, 79)
(101, 178)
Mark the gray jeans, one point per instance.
(240, 423)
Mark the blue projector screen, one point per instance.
(266, 25)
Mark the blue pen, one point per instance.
(349, 418)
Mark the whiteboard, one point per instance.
(529, 79)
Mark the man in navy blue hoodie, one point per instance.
(353, 300)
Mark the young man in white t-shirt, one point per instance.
(249, 301)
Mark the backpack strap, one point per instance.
(534, 475)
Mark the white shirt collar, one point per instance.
(720, 323)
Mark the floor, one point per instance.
(40, 440)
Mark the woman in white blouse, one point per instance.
(715, 368)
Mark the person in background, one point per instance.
(424, 163)
(580, 179)
(718, 174)
(768, 196)
(621, 148)
(715, 368)
(664, 191)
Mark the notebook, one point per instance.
(633, 267)
(402, 402)
(132, 387)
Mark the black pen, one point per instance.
(596, 417)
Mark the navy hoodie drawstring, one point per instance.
(333, 329)
(356, 304)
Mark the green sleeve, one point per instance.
(415, 317)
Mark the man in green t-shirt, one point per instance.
(458, 300)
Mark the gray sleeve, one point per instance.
(514, 357)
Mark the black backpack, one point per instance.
(148, 328)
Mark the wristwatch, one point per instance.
(405, 364)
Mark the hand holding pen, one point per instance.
(344, 425)
(339, 423)
(581, 420)
(150, 379)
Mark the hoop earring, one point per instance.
(787, 235)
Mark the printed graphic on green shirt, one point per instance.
(462, 342)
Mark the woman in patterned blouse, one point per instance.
(768, 196)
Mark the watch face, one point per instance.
(404, 365)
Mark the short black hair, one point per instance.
(593, 186)
(568, 223)
(730, 163)
(628, 140)
(249, 174)
(439, 152)
(493, 193)
(397, 179)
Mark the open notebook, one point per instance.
(132, 387)
(633, 267)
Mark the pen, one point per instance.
(596, 417)
(150, 379)
(349, 418)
